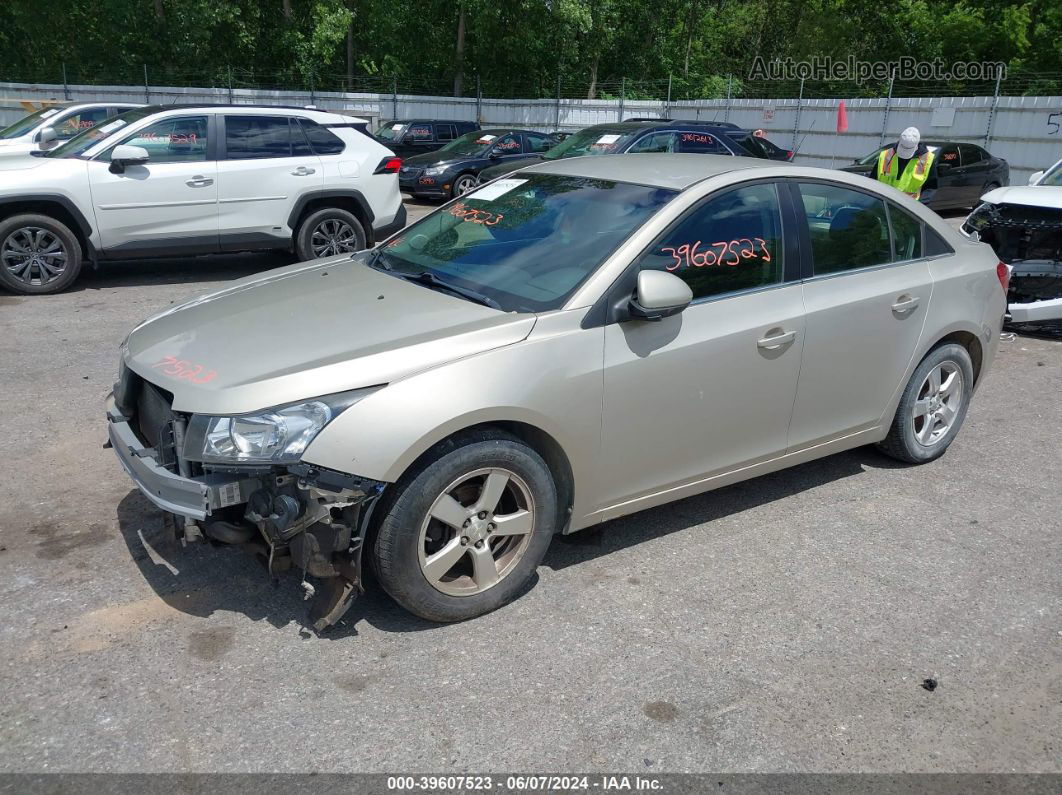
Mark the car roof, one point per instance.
(673, 171)
(428, 121)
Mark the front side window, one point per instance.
(731, 242)
(848, 228)
(525, 243)
(948, 155)
(656, 142)
(906, 234)
(701, 144)
(173, 140)
(253, 137)
(78, 122)
(508, 145)
(419, 132)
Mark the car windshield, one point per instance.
(79, 144)
(24, 125)
(1053, 177)
(593, 141)
(524, 243)
(472, 143)
(389, 130)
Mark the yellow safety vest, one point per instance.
(913, 177)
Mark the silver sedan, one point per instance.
(578, 341)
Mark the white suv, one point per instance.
(49, 127)
(195, 179)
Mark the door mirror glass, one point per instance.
(48, 136)
(659, 294)
(125, 155)
(1036, 177)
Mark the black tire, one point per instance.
(396, 551)
(13, 236)
(463, 179)
(321, 220)
(902, 442)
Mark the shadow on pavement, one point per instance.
(183, 270)
(202, 579)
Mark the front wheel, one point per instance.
(933, 406)
(38, 254)
(328, 232)
(465, 531)
(465, 183)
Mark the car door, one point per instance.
(170, 203)
(709, 390)
(977, 167)
(948, 176)
(866, 294)
(265, 164)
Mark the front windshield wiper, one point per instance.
(429, 279)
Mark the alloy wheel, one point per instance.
(938, 403)
(464, 185)
(34, 255)
(333, 236)
(476, 531)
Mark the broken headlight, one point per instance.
(273, 436)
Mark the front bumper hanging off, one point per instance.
(304, 517)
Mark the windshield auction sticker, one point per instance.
(496, 189)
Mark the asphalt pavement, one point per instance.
(788, 623)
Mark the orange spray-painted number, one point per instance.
(183, 370)
(723, 252)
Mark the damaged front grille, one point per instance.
(150, 415)
(1018, 232)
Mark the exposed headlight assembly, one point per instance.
(434, 171)
(273, 436)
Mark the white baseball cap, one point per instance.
(908, 145)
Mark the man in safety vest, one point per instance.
(906, 165)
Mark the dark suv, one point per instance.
(960, 174)
(640, 137)
(454, 169)
(414, 137)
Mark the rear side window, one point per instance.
(444, 132)
(654, 142)
(971, 154)
(848, 228)
(322, 141)
(731, 242)
(538, 143)
(252, 137)
(935, 245)
(906, 235)
(701, 144)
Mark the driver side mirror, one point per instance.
(659, 294)
(493, 154)
(47, 136)
(124, 155)
(1035, 177)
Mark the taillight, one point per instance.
(389, 165)
(1003, 272)
(789, 155)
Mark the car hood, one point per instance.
(22, 160)
(1029, 195)
(308, 330)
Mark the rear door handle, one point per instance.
(199, 182)
(303, 171)
(904, 304)
(776, 341)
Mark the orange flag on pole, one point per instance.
(842, 118)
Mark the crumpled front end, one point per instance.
(1029, 239)
(294, 516)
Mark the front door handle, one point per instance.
(199, 181)
(904, 304)
(773, 342)
(303, 171)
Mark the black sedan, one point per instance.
(454, 169)
(960, 175)
(656, 135)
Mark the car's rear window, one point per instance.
(526, 242)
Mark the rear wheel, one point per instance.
(38, 255)
(464, 532)
(933, 406)
(328, 232)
